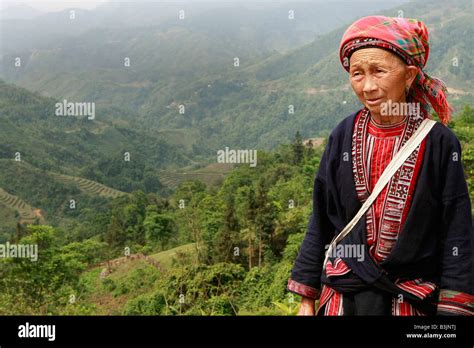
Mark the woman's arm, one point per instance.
(307, 306)
(456, 278)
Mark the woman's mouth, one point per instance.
(374, 101)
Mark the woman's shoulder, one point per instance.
(442, 135)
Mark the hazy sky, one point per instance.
(57, 5)
(52, 5)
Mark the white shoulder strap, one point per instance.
(389, 171)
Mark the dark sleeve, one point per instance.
(456, 283)
(306, 273)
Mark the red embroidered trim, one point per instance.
(339, 268)
(303, 290)
(456, 302)
(417, 287)
(396, 200)
(332, 302)
(326, 294)
(351, 46)
(382, 232)
(381, 131)
(403, 308)
(334, 305)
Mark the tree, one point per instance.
(158, 227)
(40, 286)
(20, 232)
(266, 214)
(228, 234)
(114, 235)
(249, 233)
(298, 149)
(210, 220)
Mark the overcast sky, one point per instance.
(58, 5)
(52, 5)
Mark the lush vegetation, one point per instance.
(244, 238)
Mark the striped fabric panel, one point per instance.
(373, 147)
(339, 268)
(380, 151)
(326, 294)
(454, 309)
(403, 309)
(332, 302)
(334, 306)
(456, 302)
(417, 287)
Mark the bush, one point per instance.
(221, 305)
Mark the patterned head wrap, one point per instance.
(407, 38)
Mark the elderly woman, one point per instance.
(411, 252)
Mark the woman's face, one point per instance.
(378, 76)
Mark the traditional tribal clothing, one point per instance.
(373, 147)
(372, 150)
(428, 266)
(415, 242)
(407, 38)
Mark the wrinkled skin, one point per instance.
(377, 73)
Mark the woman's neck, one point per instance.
(387, 120)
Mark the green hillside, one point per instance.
(210, 175)
(247, 105)
(77, 146)
(46, 161)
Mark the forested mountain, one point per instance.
(171, 62)
(45, 160)
(189, 65)
(75, 144)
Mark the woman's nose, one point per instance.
(369, 85)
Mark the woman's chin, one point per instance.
(374, 109)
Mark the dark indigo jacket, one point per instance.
(435, 242)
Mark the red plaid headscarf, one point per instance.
(408, 38)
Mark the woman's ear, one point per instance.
(410, 75)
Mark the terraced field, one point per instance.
(27, 213)
(210, 175)
(89, 186)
